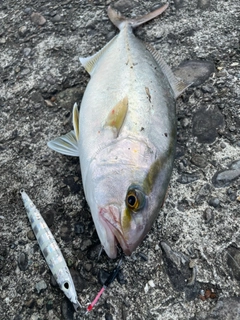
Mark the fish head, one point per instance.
(127, 194)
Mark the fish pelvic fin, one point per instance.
(66, 144)
(119, 21)
(117, 115)
(75, 119)
(178, 86)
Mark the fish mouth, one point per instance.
(110, 216)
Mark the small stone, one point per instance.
(206, 123)
(86, 244)
(108, 316)
(143, 256)
(27, 11)
(23, 261)
(27, 51)
(30, 303)
(235, 165)
(41, 286)
(225, 178)
(214, 202)
(79, 228)
(67, 309)
(203, 4)
(22, 31)
(194, 71)
(103, 276)
(208, 215)
(199, 161)
(38, 19)
(56, 18)
(31, 235)
(79, 282)
(186, 177)
(179, 4)
(2, 40)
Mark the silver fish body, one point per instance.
(50, 251)
(125, 136)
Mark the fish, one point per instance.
(51, 251)
(125, 135)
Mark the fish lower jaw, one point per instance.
(117, 234)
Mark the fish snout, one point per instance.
(111, 215)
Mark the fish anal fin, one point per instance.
(90, 62)
(178, 86)
(117, 115)
(66, 144)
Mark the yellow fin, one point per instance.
(117, 115)
(75, 114)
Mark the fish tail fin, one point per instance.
(119, 21)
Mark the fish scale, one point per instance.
(50, 250)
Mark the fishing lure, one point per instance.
(50, 251)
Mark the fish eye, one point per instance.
(135, 198)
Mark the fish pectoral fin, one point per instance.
(178, 86)
(75, 120)
(66, 144)
(117, 115)
(89, 63)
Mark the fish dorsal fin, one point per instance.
(178, 86)
(117, 115)
(66, 144)
(90, 62)
(75, 120)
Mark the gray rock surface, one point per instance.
(40, 79)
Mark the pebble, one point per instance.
(67, 309)
(202, 194)
(186, 177)
(79, 282)
(27, 11)
(203, 4)
(102, 276)
(31, 235)
(199, 161)
(233, 261)
(65, 233)
(108, 316)
(224, 309)
(27, 51)
(38, 19)
(206, 123)
(23, 261)
(56, 18)
(40, 286)
(79, 228)
(214, 202)
(179, 4)
(122, 5)
(225, 178)
(86, 244)
(208, 215)
(235, 165)
(22, 31)
(194, 71)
